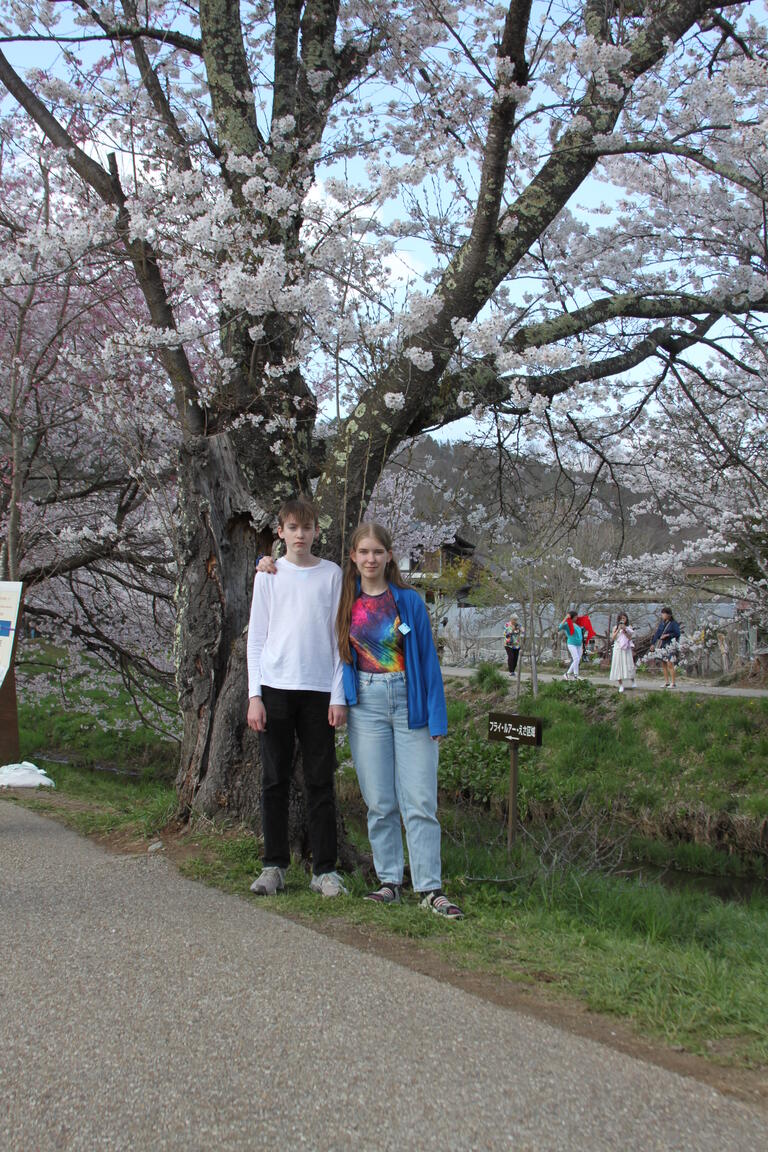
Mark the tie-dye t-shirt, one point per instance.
(373, 633)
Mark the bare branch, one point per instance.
(117, 32)
(156, 94)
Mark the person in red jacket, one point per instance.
(585, 624)
(587, 631)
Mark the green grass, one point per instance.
(487, 678)
(688, 858)
(94, 726)
(643, 752)
(103, 802)
(83, 740)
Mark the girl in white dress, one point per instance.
(622, 663)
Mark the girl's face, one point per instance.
(371, 558)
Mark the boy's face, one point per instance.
(298, 538)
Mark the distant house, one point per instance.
(442, 574)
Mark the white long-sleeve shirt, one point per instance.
(292, 630)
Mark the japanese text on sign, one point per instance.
(513, 730)
(520, 729)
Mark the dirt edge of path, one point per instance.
(748, 1085)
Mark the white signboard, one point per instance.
(10, 598)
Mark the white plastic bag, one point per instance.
(24, 775)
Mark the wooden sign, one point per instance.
(10, 601)
(513, 730)
(507, 727)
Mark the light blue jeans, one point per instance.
(397, 769)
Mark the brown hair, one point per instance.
(626, 618)
(301, 509)
(369, 529)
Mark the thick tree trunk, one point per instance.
(221, 532)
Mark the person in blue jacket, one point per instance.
(666, 641)
(397, 714)
(574, 637)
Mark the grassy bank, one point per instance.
(92, 725)
(681, 768)
(682, 966)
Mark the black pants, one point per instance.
(302, 715)
(512, 655)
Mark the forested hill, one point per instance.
(473, 482)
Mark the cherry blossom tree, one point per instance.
(352, 223)
(84, 516)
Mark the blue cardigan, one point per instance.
(423, 678)
(666, 633)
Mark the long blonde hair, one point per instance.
(369, 529)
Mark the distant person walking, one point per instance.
(513, 638)
(622, 661)
(587, 634)
(665, 640)
(574, 638)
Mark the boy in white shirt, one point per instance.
(295, 691)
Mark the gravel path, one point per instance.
(143, 1011)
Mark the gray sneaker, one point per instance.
(328, 884)
(271, 881)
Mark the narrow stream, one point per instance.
(56, 758)
(730, 888)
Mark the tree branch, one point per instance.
(154, 89)
(114, 32)
(667, 339)
(229, 79)
(726, 171)
(624, 305)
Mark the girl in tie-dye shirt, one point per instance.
(373, 633)
(397, 714)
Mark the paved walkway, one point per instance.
(143, 1011)
(643, 684)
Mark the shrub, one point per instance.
(487, 678)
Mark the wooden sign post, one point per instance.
(513, 730)
(10, 602)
